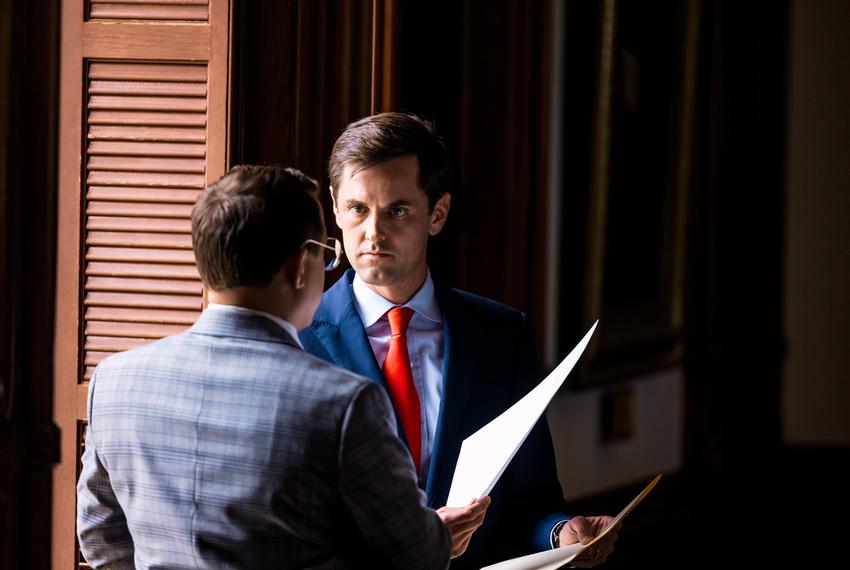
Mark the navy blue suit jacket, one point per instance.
(489, 363)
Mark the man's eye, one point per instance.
(359, 210)
(398, 211)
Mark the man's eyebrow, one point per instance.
(398, 203)
(353, 202)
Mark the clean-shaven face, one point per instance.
(383, 214)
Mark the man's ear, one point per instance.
(296, 268)
(335, 209)
(439, 214)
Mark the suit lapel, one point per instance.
(340, 331)
(460, 359)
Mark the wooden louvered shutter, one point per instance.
(143, 130)
(145, 164)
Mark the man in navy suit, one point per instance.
(470, 358)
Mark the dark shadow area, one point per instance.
(793, 518)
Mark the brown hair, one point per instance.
(247, 224)
(379, 138)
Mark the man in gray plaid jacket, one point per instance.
(227, 446)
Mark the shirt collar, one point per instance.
(371, 306)
(282, 323)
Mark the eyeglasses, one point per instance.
(333, 251)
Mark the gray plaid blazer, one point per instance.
(227, 446)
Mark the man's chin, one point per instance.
(376, 276)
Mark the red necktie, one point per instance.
(399, 377)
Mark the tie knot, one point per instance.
(399, 318)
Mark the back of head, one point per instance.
(379, 138)
(249, 222)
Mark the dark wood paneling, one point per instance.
(333, 78)
(302, 72)
(29, 441)
(483, 81)
(428, 81)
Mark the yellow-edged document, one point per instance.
(552, 559)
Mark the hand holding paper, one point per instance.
(552, 559)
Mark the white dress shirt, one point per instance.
(282, 323)
(424, 344)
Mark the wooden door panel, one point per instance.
(143, 120)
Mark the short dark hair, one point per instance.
(379, 138)
(248, 223)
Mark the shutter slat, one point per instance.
(157, 316)
(148, 11)
(131, 329)
(144, 164)
(142, 300)
(93, 358)
(156, 134)
(138, 285)
(171, 180)
(147, 71)
(106, 148)
(139, 224)
(113, 344)
(138, 239)
(97, 253)
(147, 119)
(150, 195)
(137, 88)
(138, 209)
(142, 270)
(180, 2)
(132, 103)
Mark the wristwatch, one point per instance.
(556, 534)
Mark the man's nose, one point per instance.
(374, 231)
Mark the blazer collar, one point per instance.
(239, 324)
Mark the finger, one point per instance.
(479, 518)
(600, 555)
(591, 557)
(466, 527)
(581, 528)
(475, 515)
(459, 546)
(464, 536)
(479, 506)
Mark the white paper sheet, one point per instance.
(553, 559)
(485, 454)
